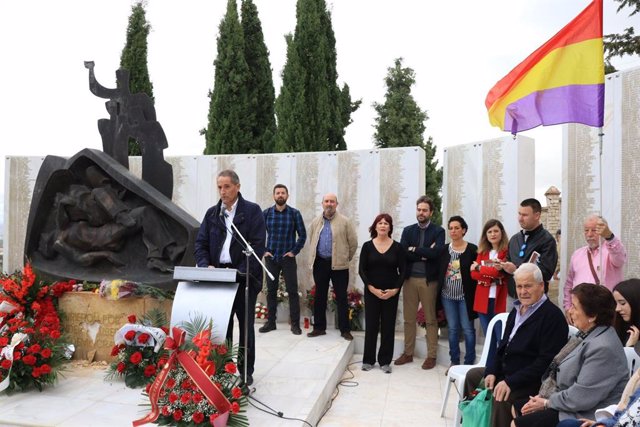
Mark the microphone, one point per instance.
(222, 213)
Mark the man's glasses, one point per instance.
(522, 249)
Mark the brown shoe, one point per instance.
(429, 363)
(404, 358)
(347, 336)
(316, 333)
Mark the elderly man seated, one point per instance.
(535, 331)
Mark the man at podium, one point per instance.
(217, 246)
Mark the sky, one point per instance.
(458, 51)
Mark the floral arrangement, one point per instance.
(355, 304)
(440, 318)
(199, 385)
(31, 347)
(117, 289)
(261, 311)
(310, 298)
(282, 296)
(138, 350)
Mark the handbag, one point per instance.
(477, 411)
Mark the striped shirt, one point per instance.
(282, 228)
(452, 288)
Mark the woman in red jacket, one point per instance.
(491, 292)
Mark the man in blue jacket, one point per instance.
(423, 242)
(217, 246)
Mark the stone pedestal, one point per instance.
(90, 322)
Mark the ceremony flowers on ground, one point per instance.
(138, 349)
(31, 348)
(261, 311)
(199, 385)
(355, 305)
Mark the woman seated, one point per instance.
(589, 372)
(627, 323)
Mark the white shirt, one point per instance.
(225, 256)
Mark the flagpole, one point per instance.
(600, 240)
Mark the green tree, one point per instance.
(400, 123)
(134, 59)
(312, 111)
(261, 95)
(230, 116)
(625, 43)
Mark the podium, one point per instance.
(205, 292)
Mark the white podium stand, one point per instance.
(208, 292)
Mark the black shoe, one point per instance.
(268, 327)
(249, 380)
(347, 336)
(316, 333)
(295, 330)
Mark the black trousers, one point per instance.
(379, 315)
(289, 269)
(238, 310)
(322, 274)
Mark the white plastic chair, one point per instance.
(458, 373)
(633, 360)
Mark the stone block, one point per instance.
(90, 321)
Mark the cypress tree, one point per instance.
(261, 95)
(134, 59)
(230, 116)
(400, 123)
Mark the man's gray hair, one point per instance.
(230, 174)
(526, 268)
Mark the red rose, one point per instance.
(236, 392)
(115, 350)
(4, 341)
(150, 371)
(120, 367)
(35, 373)
(177, 415)
(165, 410)
(132, 318)
(45, 369)
(29, 359)
(135, 358)
(34, 348)
(6, 364)
(185, 398)
(235, 407)
(173, 397)
(230, 368)
(197, 397)
(130, 335)
(143, 338)
(197, 417)
(45, 353)
(186, 385)
(171, 383)
(55, 334)
(44, 330)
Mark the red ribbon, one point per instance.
(199, 377)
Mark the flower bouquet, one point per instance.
(198, 385)
(138, 349)
(355, 306)
(261, 311)
(31, 349)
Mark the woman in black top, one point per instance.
(382, 267)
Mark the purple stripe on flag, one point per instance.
(566, 104)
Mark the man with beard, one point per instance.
(423, 242)
(585, 261)
(333, 244)
(283, 224)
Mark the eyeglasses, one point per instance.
(522, 249)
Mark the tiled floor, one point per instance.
(294, 374)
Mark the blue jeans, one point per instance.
(569, 423)
(457, 318)
(486, 318)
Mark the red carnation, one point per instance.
(120, 367)
(55, 334)
(165, 410)
(185, 398)
(230, 368)
(34, 348)
(236, 392)
(150, 371)
(132, 318)
(36, 373)
(171, 383)
(130, 335)
(6, 364)
(197, 397)
(235, 407)
(173, 397)
(197, 417)
(45, 369)
(143, 338)
(4, 341)
(45, 353)
(115, 350)
(186, 385)
(177, 415)
(29, 359)
(44, 330)
(136, 358)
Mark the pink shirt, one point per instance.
(614, 255)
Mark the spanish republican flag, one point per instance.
(561, 82)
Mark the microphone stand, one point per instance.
(248, 251)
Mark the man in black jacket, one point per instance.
(535, 332)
